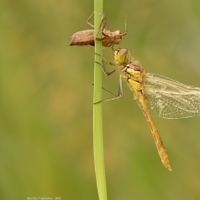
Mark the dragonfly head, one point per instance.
(121, 56)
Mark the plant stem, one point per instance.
(97, 108)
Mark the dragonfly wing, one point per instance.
(170, 99)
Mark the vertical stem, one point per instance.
(97, 108)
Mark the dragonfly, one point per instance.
(156, 95)
(86, 37)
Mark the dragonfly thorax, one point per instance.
(135, 72)
(134, 75)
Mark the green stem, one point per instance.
(97, 108)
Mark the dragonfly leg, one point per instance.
(103, 59)
(103, 66)
(103, 88)
(103, 33)
(119, 95)
(126, 27)
(103, 69)
(112, 47)
(88, 20)
(104, 22)
(121, 34)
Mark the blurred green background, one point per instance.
(46, 145)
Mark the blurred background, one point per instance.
(46, 93)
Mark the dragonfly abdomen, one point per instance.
(143, 103)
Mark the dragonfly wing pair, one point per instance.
(170, 99)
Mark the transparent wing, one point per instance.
(170, 99)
